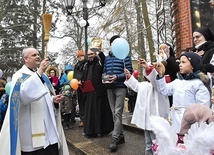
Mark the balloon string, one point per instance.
(124, 64)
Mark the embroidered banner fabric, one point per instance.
(14, 109)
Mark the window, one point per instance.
(202, 12)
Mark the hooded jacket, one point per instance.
(64, 79)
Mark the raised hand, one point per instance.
(127, 73)
(43, 66)
(160, 68)
(143, 63)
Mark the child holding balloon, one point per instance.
(67, 76)
(148, 102)
(68, 107)
(65, 83)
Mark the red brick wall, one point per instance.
(183, 25)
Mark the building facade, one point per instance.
(189, 15)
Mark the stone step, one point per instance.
(81, 145)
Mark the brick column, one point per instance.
(182, 25)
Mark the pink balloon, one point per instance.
(135, 73)
(1, 73)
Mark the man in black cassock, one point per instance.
(98, 116)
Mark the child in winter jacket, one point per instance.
(68, 107)
(188, 89)
(149, 102)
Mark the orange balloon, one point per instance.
(74, 84)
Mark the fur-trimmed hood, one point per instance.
(47, 72)
(204, 78)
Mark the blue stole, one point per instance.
(49, 84)
(14, 109)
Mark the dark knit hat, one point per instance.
(206, 32)
(113, 38)
(194, 59)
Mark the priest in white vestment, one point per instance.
(38, 113)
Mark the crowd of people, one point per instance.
(191, 87)
(3, 100)
(171, 85)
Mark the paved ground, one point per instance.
(81, 145)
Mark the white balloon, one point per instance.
(1, 73)
(82, 23)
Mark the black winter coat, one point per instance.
(78, 70)
(208, 49)
(93, 71)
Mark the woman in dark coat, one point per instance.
(78, 74)
(98, 116)
(203, 40)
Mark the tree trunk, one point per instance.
(35, 4)
(148, 30)
(140, 29)
(3, 8)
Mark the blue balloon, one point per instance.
(120, 48)
(89, 41)
(8, 87)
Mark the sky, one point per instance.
(55, 44)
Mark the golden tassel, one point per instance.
(47, 21)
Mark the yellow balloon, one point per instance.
(70, 75)
(74, 84)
